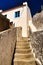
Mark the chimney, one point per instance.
(25, 3)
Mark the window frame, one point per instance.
(17, 14)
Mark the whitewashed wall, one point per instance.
(20, 21)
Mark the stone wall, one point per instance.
(7, 45)
(38, 20)
(8, 41)
(37, 44)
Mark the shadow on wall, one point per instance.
(4, 23)
(13, 55)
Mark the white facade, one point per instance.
(23, 20)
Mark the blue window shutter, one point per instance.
(17, 14)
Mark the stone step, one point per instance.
(24, 62)
(23, 44)
(23, 39)
(22, 47)
(24, 56)
(23, 50)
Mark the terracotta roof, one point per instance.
(13, 8)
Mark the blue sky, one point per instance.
(35, 5)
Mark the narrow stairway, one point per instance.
(23, 54)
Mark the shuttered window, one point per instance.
(17, 14)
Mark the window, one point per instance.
(17, 14)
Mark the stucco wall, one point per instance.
(8, 40)
(29, 18)
(7, 45)
(19, 21)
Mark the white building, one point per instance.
(21, 16)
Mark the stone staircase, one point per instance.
(23, 54)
